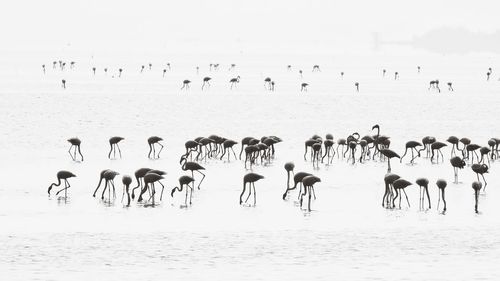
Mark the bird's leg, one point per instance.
(114, 191)
(485, 183)
(161, 148)
(242, 193)
(456, 174)
(123, 193)
(254, 194)
(394, 198)
(150, 150)
(191, 194)
(300, 191)
(408, 201)
(234, 153)
(110, 150)
(389, 165)
(104, 191)
(119, 150)
(439, 200)
(313, 192)
(385, 194)
(428, 197)
(249, 191)
(444, 200)
(404, 154)
(203, 177)
(69, 151)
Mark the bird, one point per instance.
(151, 142)
(484, 151)
(441, 184)
(63, 83)
(75, 142)
(267, 83)
(113, 143)
(457, 163)
(308, 183)
(471, 149)
(423, 182)
(427, 141)
(297, 179)
(389, 179)
(149, 179)
(303, 87)
(101, 177)
(454, 143)
(247, 141)
(184, 181)
(289, 166)
(356, 84)
(62, 176)
(316, 68)
(477, 185)
(228, 145)
(480, 169)
(389, 154)
(109, 176)
(206, 81)
(400, 184)
(192, 166)
(139, 176)
(233, 81)
(412, 145)
(436, 146)
(250, 179)
(126, 180)
(185, 84)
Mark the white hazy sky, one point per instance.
(264, 23)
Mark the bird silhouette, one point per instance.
(149, 179)
(250, 179)
(423, 183)
(234, 81)
(126, 180)
(316, 68)
(113, 143)
(480, 169)
(477, 185)
(151, 142)
(484, 152)
(441, 184)
(400, 185)
(389, 179)
(184, 181)
(139, 176)
(412, 145)
(457, 163)
(62, 176)
(75, 142)
(427, 141)
(185, 84)
(436, 146)
(308, 183)
(192, 166)
(206, 81)
(101, 177)
(297, 179)
(389, 154)
(289, 166)
(109, 177)
(303, 87)
(454, 144)
(228, 145)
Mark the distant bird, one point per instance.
(389, 154)
(142, 68)
(457, 163)
(297, 178)
(63, 84)
(441, 184)
(184, 181)
(234, 81)
(484, 152)
(62, 176)
(342, 75)
(267, 83)
(418, 69)
(250, 179)
(423, 182)
(192, 166)
(151, 142)
(149, 179)
(480, 169)
(164, 71)
(412, 145)
(389, 179)
(357, 86)
(232, 67)
(247, 141)
(228, 145)
(185, 84)
(434, 84)
(454, 144)
(113, 143)
(471, 150)
(108, 176)
(303, 87)
(289, 166)
(427, 141)
(126, 180)
(139, 176)
(93, 70)
(120, 72)
(308, 183)
(400, 185)
(206, 81)
(450, 87)
(75, 142)
(300, 72)
(436, 146)
(316, 68)
(396, 75)
(477, 185)
(383, 72)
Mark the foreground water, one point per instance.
(348, 235)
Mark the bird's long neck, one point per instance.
(54, 184)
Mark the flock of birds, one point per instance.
(269, 83)
(353, 149)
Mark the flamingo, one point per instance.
(450, 87)
(427, 141)
(454, 143)
(164, 71)
(185, 84)
(62, 176)
(101, 177)
(250, 178)
(436, 146)
(389, 154)
(477, 185)
(228, 144)
(151, 142)
(357, 86)
(109, 176)
(93, 69)
(192, 166)
(267, 82)
(63, 84)
(400, 184)
(149, 179)
(43, 67)
(289, 166)
(233, 81)
(126, 180)
(441, 184)
(316, 68)
(308, 183)
(139, 174)
(423, 182)
(206, 81)
(484, 151)
(184, 181)
(389, 179)
(113, 143)
(457, 163)
(76, 142)
(120, 72)
(396, 75)
(303, 87)
(480, 169)
(434, 84)
(297, 179)
(412, 145)
(471, 149)
(247, 141)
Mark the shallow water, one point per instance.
(348, 235)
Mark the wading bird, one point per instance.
(250, 179)
(62, 176)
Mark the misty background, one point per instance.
(258, 26)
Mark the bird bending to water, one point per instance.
(151, 142)
(308, 183)
(250, 179)
(441, 184)
(113, 143)
(62, 176)
(184, 181)
(75, 142)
